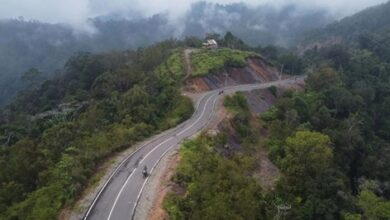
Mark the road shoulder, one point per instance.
(159, 184)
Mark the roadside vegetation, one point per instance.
(330, 145)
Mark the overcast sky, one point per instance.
(76, 12)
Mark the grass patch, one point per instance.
(209, 61)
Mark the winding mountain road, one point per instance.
(118, 198)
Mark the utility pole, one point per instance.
(281, 72)
(10, 136)
(226, 77)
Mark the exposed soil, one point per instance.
(187, 62)
(260, 100)
(264, 69)
(257, 70)
(267, 173)
(330, 41)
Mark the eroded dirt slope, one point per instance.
(257, 70)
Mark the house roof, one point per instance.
(212, 42)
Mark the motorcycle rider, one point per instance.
(145, 171)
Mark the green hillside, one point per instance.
(213, 61)
(55, 135)
(351, 29)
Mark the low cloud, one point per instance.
(77, 12)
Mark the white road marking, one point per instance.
(155, 149)
(193, 124)
(109, 180)
(155, 164)
(120, 192)
(200, 117)
(143, 185)
(124, 185)
(121, 164)
(138, 197)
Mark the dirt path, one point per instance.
(187, 61)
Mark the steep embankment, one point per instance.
(228, 68)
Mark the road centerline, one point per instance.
(200, 117)
(127, 180)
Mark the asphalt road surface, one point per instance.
(118, 198)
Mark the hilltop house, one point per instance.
(210, 44)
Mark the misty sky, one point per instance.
(76, 12)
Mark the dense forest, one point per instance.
(55, 134)
(346, 100)
(351, 29)
(331, 141)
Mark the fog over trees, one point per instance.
(26, 44)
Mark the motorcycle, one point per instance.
(145, 172)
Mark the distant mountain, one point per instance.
(351, 30)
